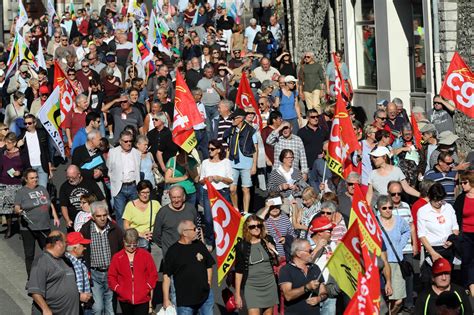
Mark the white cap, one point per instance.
(2, 73)
(290, 78)
(380, 151)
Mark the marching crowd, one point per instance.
(131, 191)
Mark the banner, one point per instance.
(22, 17)
(135, 10)
(342, 141)
(416, 132)
(67, 94)
(13, 57)
(25, 53)
(50, 117)
(40, 55)
(141, 50)
(346, 262)
(51, 16)
(154, 35)
(186, 116)
(368, 224)
(228, 224)
(245, 98)
(458, 85)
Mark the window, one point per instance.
(417, 49)
(365, 44)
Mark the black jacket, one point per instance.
(459, 207)
(44, 151)
(81, 156)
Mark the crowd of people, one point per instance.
(131, 191)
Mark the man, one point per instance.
(419, 114)
(265, 71)
(274, 121)
(194, 74)
(106, 240)
(263, 41)
(242, 141)
(52, 283)
(166, 105)
(200, 129)
(265, 110)
(313, 137)
(86, 74)
(212, 93)
(123, 164)
(282, 138)
(190, 264)
(65, 49)
(427, 300)
(223, 122)
(34, 150)
(161, 141)
(442, 115)
(92, 123)
(95, 63)
(76, 118)
(249, 34)
(133, 96)
(167, 220)
(380, 122)
(401, 112)
(74, 251)
(20, 81)
(299, 281)
(276, 30)
(39, 102)
(345, 198)
(402, 209)
(123, 115)
(71, 191)
(88, 158)
(444, 174)
(430, 143)
(394, 122)
(312, 80)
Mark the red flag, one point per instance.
(339, 83)
(186, 115)
(67, 94)
(416, 132)
(369, 226)
(245, 98)
(458, 85)
(227, 228)
(342, 140)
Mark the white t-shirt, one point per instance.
(34, 152)
(379, 183)
(222, 168)
(202, 111)
(250, 34)
(436, 226)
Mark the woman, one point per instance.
(437, 223)
(368, 145)
(132, 275)
(287, 103)
(395, 233)
(11, 168)
(14, 113)
(277, 224)
(147, 164)
(112, 85)
(406, 155)
(217, 169)
(189, 14)
(383, 174)
(304, 214)
(32, 202)
(464, 207)
(206, 55)
(237, 39)
(32, 92)
(286, 179)
(140, 214)
(329, 209)
(286, 66)
(3, 132)
(331, 74)
(254, 261)
(182, 170)
(85, 215)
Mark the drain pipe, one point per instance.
(337, 17)
(437, 54)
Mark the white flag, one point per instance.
(51, 15)
(22, 17)
(50, 117)
(40, 57)
(136, 57)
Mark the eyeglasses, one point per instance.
(387, 208)
(133, 245)
(255, 226)
(450, 164)
(28, 123)
(97, 121)
(309, 251)
(350, 184)
(155, 119)
(395, 194)
(313, 117)
(382, 118)
(326, 212)
(211, 149)
(306, 57)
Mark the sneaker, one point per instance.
(111, 136)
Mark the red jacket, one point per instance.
(133, 288)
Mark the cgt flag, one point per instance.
(458, 85)
(416, 132)
(186, 116)
(228, 224)
(368, 224)
(50, 117)
(67, 94)
(246, 99)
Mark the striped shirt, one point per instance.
(295, 144)
(404, 211)
(278, 228)
(447, 180)
(223, 125)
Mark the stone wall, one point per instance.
(447, 31)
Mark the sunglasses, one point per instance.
(313, 117)
(28, 123)
(382, 118)
(255, 226)
(395, 194)
(126, 141)
(261, 103)
(193, 229)
(387, 208)
(326, 212)
(350, 184)
(155, 119)
(212, 149)
(464, 182)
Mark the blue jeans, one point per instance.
(202, 143)
(328, 307)
(205, 308)
(211, 113)
(208, 220)
(42, 175)
(101, 293)
(127, 193)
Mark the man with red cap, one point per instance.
(44, 93)
(441, 277)
(75, 248)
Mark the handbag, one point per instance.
(159, 178)
(405, 267)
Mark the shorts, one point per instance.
(244, 176)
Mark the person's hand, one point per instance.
(322, 186)
(166, 303)
(435, 256)
(415, 251)
(47, 312)
(238, 301)
(56, 222)
(269, 163)
(253, 171)
(447, 244)
(438, 99)
(84, 297)
(462, 166)
(388, 289)
(185, 176)
(281, 240)
(305, 177)
(69, 223)
(97, 173)
(210, 178)
(17, 173)
(312, 285)
(69, 144)
(300, 121)
(302, 97)
(51, 174)
(313, 300)
(268, 203)
(285, 186)
(20, 143)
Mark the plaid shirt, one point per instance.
(100, 248)
(295, 144)
(82, 274)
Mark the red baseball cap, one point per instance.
(441, 265)
(75, 238)
(44, 89)
(320, 224)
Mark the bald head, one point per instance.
(73, 175)
(392, 110)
